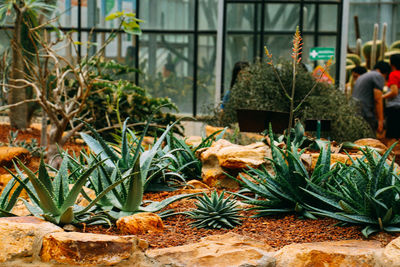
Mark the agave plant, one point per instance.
(52, 199)
(125, 198)
(126, 156)
(181, 158)
(366, 193)
(215, 212)
(9, 197)
(282, 191)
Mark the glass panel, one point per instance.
(309, 17)
(328, 41)
(367, 17)
(308, 43)
(167, 65)
(208, 14)
(68, 12)
(280, 46)
(328, 15)
(206, 72)
(238, 48)
(281, 17)
(396, 23)
(390, 14)
(106, 7)
(240, 17)
(167, 14)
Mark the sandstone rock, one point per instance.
(224, 157)
(371, 142)
(89, 249)
(7, 154)
(239, 157)
(311, 159)
(244, 137)
(333, 254)
(211, 129)
(20, 209)
(81, 200)
(391, 254)
(194, 141)
(195, 184)
(143, 222)
(218, 250)
(21, 236)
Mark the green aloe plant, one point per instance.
(215, 212)
(52, 199)
(9, 198)
(181, 158)
(127, 154)
(130, 162)
(125, 198)
(282, 191)
(365, 193)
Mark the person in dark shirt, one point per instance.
(368, 91)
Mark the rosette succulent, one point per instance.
(215, 212)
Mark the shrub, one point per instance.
(258, 88)
(114, 96)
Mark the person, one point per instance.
(355, 73)
(239, 66)
(368, 91)
(169, 67)
(393, 99)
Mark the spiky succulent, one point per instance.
(215, 212)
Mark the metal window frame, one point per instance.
(259, 30)
(221, 32)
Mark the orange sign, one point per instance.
(325, 78)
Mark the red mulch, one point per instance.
(27, 135)
(277, 231)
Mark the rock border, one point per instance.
(29, 241)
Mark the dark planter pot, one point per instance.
(259, 120)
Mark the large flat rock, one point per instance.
(346, 253)
(75, 248)
(21, 236)
(218, 250)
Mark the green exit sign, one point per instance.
(322, 53)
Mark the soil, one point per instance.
(276, 231)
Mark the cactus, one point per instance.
(395, 45)
(367, 52)
(354, 58)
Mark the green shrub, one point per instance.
(258, 88)
(115, 96)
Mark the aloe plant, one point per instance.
(181, 158)
(365, 193)
(52, 199)
(125, 198)
(126, 156)
(215, 212)
(9, 198)
(282, 191)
